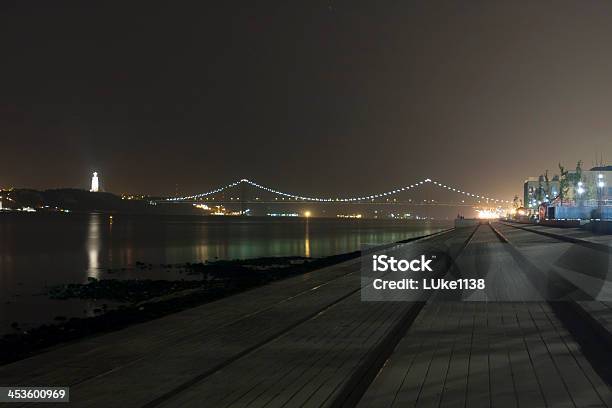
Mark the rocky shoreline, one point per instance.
(143, 300)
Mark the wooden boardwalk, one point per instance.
(479, 355)
(311, 341)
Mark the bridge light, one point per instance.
(351, 199)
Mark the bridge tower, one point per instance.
(243, 199)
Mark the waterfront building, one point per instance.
(595, 186)
(536, 190)
(587, 197)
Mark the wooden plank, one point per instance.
(478, 392)
(319, 383)
(290, 375)
(433, 387)
(455, 381)
(389, 380)
(584, 386)
(415, 378)
(503, 393)
(553, 388)
(282, 362)
(525, 380)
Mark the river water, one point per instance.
(41, 250)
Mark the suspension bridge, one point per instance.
(386, 197)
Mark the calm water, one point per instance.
(40, 250)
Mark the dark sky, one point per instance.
(325, 97)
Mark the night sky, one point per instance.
(340, 97)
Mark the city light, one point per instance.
(487, 214)
(307, 214)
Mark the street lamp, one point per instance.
(580, 189)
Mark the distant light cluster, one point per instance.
(347, 199)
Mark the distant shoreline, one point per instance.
(77, 201)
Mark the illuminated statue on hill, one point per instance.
(94, 183)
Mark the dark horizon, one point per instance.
(329, 98)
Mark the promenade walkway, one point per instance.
(310, 341)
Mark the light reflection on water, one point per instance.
(39, 250)
(93, 245)
(307, 239)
